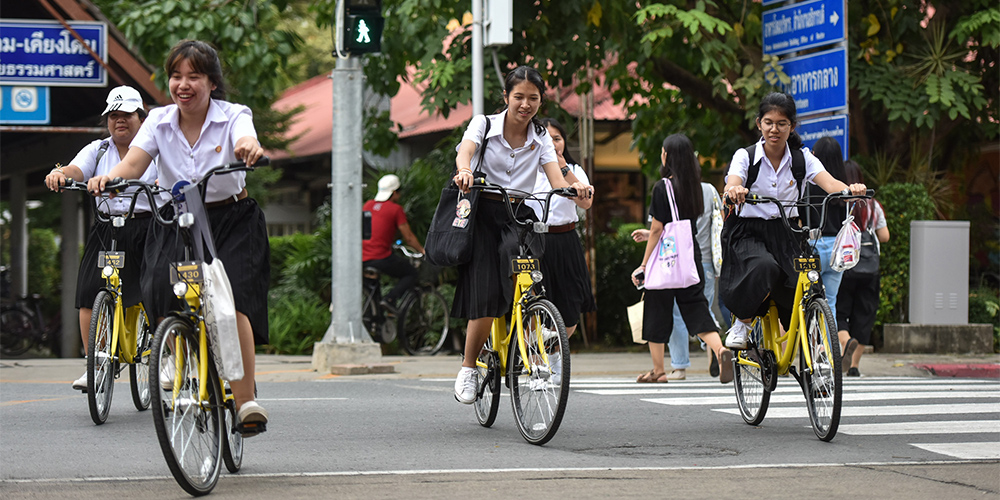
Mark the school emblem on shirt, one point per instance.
(462, 211)
(218, 149)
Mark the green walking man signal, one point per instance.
(363, 26)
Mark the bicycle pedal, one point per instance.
(251, 428)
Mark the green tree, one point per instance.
(699, 69)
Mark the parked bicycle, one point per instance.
(421, 322)
(23, 325)
(810, 339)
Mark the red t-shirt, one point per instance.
(386, 219)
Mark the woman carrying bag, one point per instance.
(680, 172)
(517, 149)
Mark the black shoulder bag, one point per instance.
(868, 263)
(449, 238)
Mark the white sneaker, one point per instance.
(80, 384)
(466, 386)
(167, 373)
(549, 334)
(555, 364)
(736, 337)
(253, 417)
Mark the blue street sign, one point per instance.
(803, 26)
(24, 105)
(829, 126)
(767, 3)
(819, 81)
(46, 53)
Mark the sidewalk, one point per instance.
(282, 368)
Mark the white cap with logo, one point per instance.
(124, 98)
(386, 186)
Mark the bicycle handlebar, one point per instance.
(756, 199)
(406, 251)
(483, 184)
(116, 186)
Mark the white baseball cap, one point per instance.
(386, 186)
(124, 98)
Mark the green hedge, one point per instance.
(617, 257)
(984, 308)
(902, 203)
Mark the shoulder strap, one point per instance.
(754, 168)
(482, 147)
(670, 199)
(101, 150)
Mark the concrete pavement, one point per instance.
(283, 368)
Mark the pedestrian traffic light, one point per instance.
(363, 25)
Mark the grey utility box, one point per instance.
(939, 272)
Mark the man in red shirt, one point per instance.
(387, 218)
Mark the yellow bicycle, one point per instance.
(810, 340)
(194, 411)
(533, 350)
(118, 334)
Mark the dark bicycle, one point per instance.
(421, 321)
(23, 325)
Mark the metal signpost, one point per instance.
(46, 53)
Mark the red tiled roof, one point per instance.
(315, 122)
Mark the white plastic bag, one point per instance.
(717, 222)
(847, 246)
(219, 309)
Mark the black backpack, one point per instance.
(798, 167)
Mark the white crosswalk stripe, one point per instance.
(969, 407)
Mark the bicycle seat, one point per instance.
(371, 273)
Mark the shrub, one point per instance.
(296, 322)
(902, 203)
(984, 308)
(617, 257)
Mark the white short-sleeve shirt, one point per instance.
(779, 184)
(514, 169)
(225, 123)
(86, 161)
(562, 210)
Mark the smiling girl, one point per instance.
(518, 149)
(196, 133)
(757, 265)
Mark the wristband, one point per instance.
(564, 170)
(465, 169)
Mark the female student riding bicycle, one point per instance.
(124, 115)
(758, 256)
(518, 149)
(199, 131)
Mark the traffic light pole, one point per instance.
(346, 341)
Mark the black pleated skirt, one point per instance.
(131, 240)
(756, 266)
(485, 286)
(240, 234)
(566, 277)
(658, 309)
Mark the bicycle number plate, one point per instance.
(805, 264)
(113, 259)
(188, 272)
(524, 265)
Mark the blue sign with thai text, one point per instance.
(819, 81)
(766, 3)
(24, 105)
(803, 26)
(46, 53)
(829, 126)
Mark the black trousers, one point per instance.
(398, 267)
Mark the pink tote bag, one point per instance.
(672, 264)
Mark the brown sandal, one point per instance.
(652, 378)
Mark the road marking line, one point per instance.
(942, 427)
(964, 451)
(12, 403)
(790, 398)
(301, 399)
(882, 411)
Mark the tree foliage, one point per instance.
(919, 69)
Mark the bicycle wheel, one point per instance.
(138, 371)
(15, 332)
(539, 384)
(752, 392)
(488, 400)
(101, 363)
(424, 323)
(823, 385)
(189, 430)
(232, 446)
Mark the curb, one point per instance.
(959, 370)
